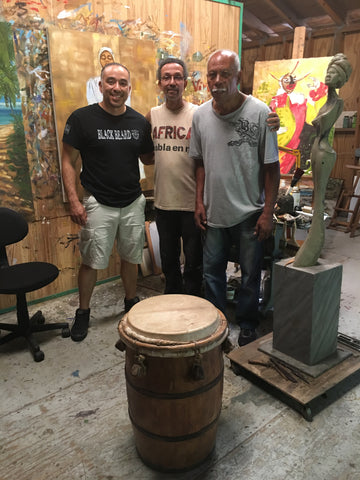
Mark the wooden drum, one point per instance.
(174, 378)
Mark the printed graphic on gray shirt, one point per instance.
(247, 131)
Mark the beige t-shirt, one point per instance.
(174, 181)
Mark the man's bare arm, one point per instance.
(273, 121)
(264, 226)
(68, 162)
(200, 214)
(147, 158)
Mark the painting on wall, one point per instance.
(76, 59)
(296, 91)
(15, 185)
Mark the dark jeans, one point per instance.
(172, 226)
(218, 243)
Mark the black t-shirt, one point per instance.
(109, 146)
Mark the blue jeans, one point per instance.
(173, 226)
(249, 255)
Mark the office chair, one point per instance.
(22, 278)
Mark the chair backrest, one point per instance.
(13, 227)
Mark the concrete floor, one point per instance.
(66, 417)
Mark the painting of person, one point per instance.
(93, 94)
(295, 110)
(296, 91)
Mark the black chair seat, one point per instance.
(27, 277)
(20, 279)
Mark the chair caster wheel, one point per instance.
(38, 318)
(39, 356)
(65, 332)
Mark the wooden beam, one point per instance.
(254, 23)
(284, 13)
(321, 32)
(299, 42)
(331, 12)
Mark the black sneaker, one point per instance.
(247, 335)
(130, 303)
(80, 326)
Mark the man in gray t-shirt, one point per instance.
(237, 180)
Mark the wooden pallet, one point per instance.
(306, 398)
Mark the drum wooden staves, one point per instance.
(174, 378)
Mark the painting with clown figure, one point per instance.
(295, 89)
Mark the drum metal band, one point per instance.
(180, 438)
(178, 395)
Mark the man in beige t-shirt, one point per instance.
(174, 186)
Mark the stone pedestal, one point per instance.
(306, 310)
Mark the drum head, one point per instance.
(173, 318)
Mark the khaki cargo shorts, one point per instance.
(105, 224)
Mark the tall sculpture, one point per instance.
(323, 158)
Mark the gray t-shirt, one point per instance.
(234, 148)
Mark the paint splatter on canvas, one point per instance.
(34, 78)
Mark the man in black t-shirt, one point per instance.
(110, 137)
